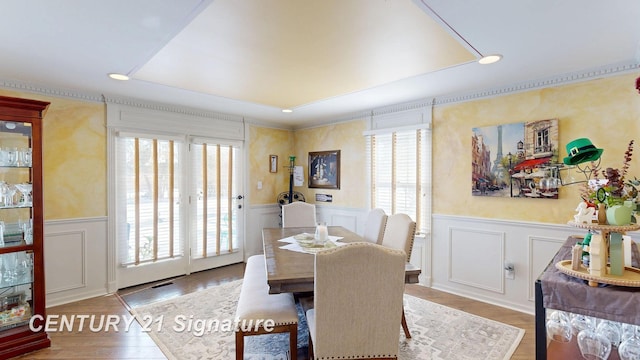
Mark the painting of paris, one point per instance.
(515, 160)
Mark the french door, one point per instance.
(216, 205)
(178, 206)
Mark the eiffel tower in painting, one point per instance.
(497, 168)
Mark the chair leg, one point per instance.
(293, 341)
(310, 351)
(239, 345)
(407, 334)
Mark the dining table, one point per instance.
(291, 270)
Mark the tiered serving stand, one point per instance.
(630, 276)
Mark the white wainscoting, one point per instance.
(463, 255)
(468, 257)
(476, 258)
(257, 218)
(75, 256)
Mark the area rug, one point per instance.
(200, 326)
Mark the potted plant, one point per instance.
(611, 193)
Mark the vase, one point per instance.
(602, 214)
(619, 215)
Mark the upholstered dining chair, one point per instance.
(374, 226)
(399, 233)
(357, 304)
(298, 214)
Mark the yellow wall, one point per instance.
(607, 111)
(74, 155)
(346, 137)
(264, 142)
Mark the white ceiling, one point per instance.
(324, 59)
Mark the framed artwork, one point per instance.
(513, 160)
(324, 169)
(273, 163)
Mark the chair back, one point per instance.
(298, 214)
(400, 233)
(374, 226)
(358, 296)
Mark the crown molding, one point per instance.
(564, 79)
(48, 91)
(176, 109)
(407, 106)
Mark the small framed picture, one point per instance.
(273, 163)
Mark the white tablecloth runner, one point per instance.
(294, 245)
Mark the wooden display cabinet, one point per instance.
(22, 290)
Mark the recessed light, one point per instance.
(287, 111)
(117, 76)
(490, 59)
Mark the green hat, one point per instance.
(581, 151)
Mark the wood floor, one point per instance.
(136, 344)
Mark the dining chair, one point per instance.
(298, 214)
(399, 233)
(374, 226)
(357, 304)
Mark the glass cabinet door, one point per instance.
(16, 224)
(16, 277)
(15, 184)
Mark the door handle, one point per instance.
(239, 197)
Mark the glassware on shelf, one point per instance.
(4, 192)
(7, 191)
(24, 267)
(629, 330)
(12, 157)
(593, 345)
(16, 268)
(611, 330)
(559, 326)
(27, 230)
(16, 157)
(581, 322)
(26, 157)
(10, 264)
(25, 189)
(629, 348)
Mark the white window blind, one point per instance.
(400, 173)
(148, 197)
(215, 181)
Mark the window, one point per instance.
(148, 196)
(400, 172)
(542, 141)
(215, 213)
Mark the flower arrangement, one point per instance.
(611, 188)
